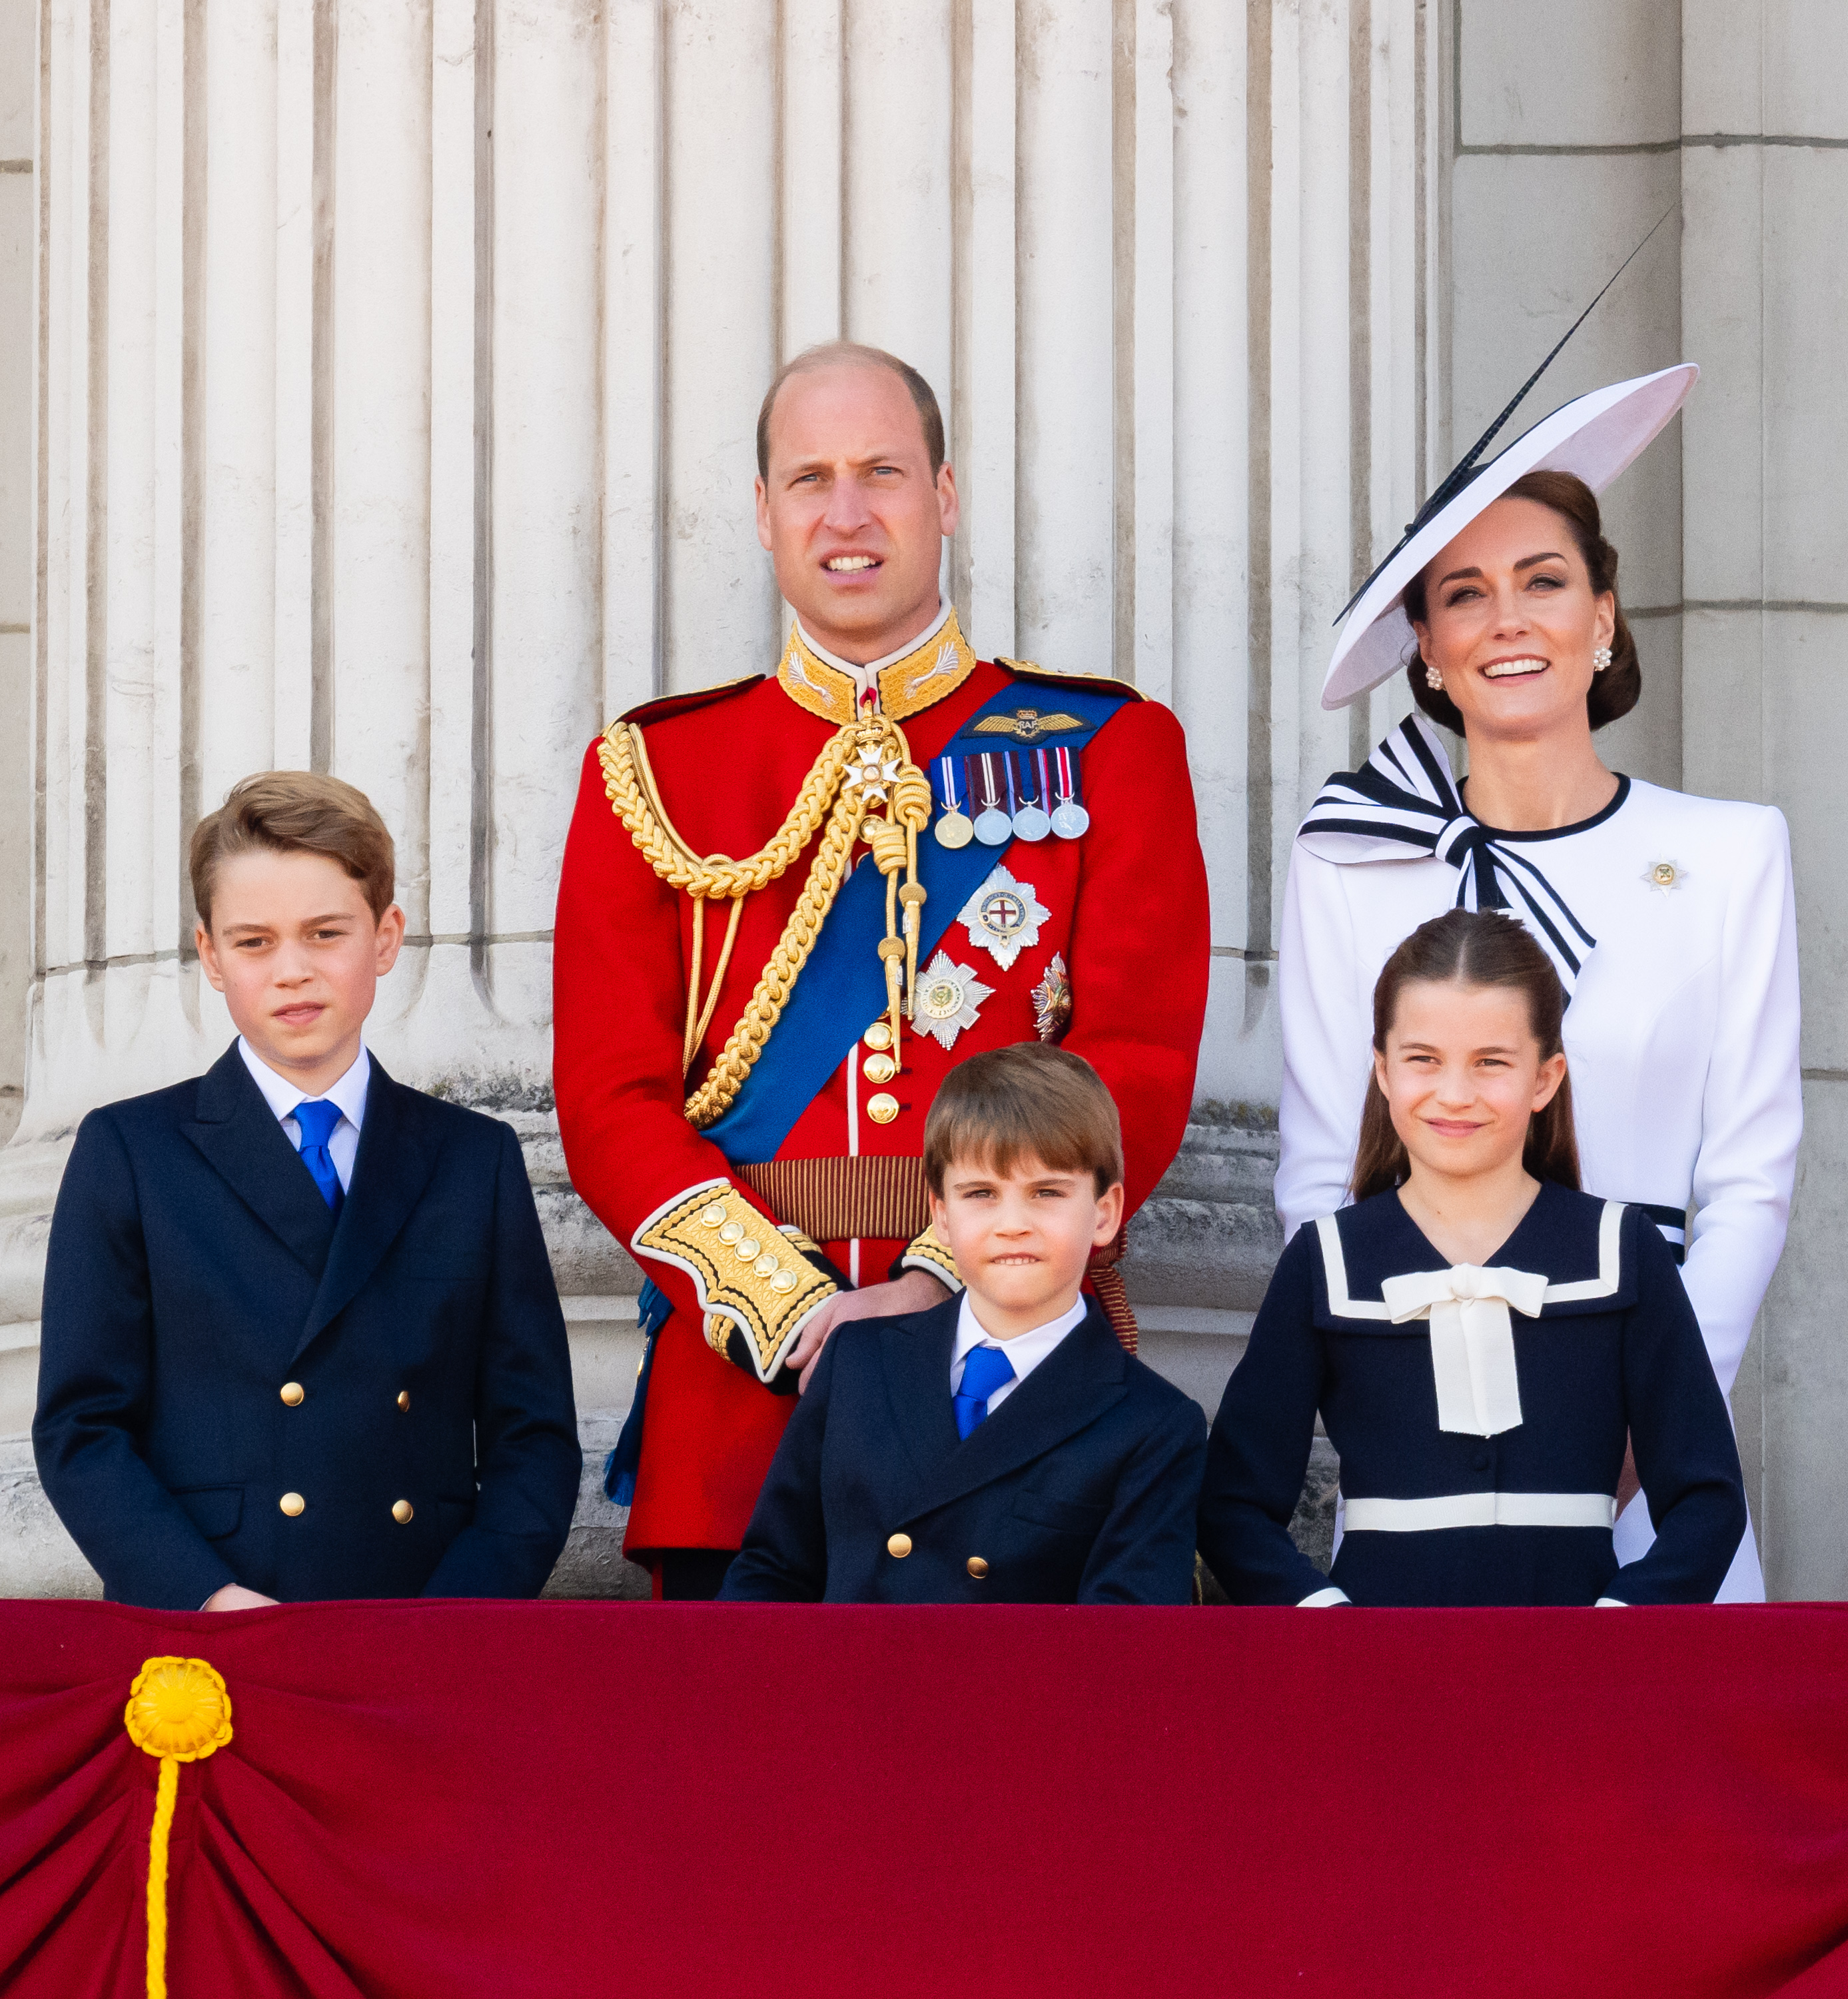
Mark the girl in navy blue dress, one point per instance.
(1479, 1336)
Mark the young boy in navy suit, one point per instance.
(300, 1337)
(1000, 1447)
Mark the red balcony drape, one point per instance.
(561, 1798)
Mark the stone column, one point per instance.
(1732, 527)
(397, 371)
(19, 515)
(1764, 287)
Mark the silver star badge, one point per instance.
(949, 998)
(869, 775)
(1665, 876)
(1004, 916)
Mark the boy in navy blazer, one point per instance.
(301, 1338)
(1002, 1447)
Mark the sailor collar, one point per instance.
(907, 682)
(1584, 1247)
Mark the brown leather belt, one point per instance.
(832, 1200)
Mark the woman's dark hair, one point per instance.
(1470, 947)
(1613, 692)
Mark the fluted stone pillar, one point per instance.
(1733, 528)
(394, 378)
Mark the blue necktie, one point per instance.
(984, 1370)
(317, 1121)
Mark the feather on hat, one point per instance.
(1596, 436)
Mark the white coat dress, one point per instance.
(1681, 1034)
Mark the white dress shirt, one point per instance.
(1682, 1038)
(1025, 1351)
(866, 679)
(282, 1096)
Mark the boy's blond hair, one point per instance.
(295, 811)
(1030, 1101)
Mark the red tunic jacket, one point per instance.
(1129, 914)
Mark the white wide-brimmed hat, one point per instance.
(1597, 437)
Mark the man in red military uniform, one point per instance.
(790, 904)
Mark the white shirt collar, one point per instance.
(866, 679)
(282, 1096)
(1025, 1350)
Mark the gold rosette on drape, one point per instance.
(179, 1710)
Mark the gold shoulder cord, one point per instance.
(865, 763)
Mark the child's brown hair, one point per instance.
(295, 811)
(1470, 947)
(1030, 1101)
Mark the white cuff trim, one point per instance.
(1323, 1599)
(1609, 1603)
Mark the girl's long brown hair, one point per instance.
(1470, 947)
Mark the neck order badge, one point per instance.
(179, 1710)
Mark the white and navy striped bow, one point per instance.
(1404, 802)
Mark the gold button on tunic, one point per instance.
(898, 1546)
(292, 1392)
(402, 1510)
(978, 1567)
(292, 1503)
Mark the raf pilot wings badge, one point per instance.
(1027, 724)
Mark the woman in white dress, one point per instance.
(1670, 917)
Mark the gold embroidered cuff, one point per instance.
(756, 1287)
(928, 1251)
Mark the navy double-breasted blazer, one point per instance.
(195, 1273)
(1080, 1488)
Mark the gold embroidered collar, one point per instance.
(936, 667)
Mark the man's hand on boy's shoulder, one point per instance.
(234, 1596)
(916, 1291)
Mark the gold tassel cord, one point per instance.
(689, 1040)
(629, 785)
(696, 1027)
(179, 1710)
(166, 1796)
(860, 764)
(718, 979)
(764, 1008)
(912, 803)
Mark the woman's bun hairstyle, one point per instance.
(1614, 691)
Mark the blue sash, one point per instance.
(842, 990)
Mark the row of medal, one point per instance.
(1019, 795)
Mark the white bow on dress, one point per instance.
(1471, 1340)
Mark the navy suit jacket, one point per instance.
(195, 1270)
(1080, 1488)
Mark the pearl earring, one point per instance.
(1600, 658)
(1433, 679)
